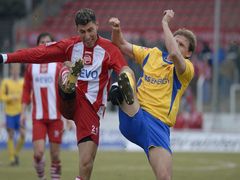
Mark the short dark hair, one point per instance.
(84, 16)
(190, 36)
(44, 34)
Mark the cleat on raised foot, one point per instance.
(68, 85)
(76, 67)
(126, 89)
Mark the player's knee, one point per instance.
(87, 162)
(127, 69)
(38, 156)
(164, 175)
(67, 107)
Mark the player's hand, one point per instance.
(22, 120)
(114, 22)
(115, 95)
(68, 64)
(15, 97)
(69, 125)
(168, 16)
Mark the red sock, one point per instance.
(39, 165)
(55, 170)
(79, 178)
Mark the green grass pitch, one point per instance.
(131, 166)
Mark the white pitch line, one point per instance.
(217, 166)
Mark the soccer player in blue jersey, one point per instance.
(149, 108)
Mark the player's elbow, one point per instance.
(174, 55)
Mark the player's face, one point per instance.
(44, 40)
(183, 45)
(88, 33)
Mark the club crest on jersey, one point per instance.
(88, 60)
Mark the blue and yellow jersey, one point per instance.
(160, 87)
(11, 94)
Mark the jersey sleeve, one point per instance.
(117, 60)
(27, 86)
(140, 53)
(52, 52)
(58, 70)
(59, 67)
(188, 74)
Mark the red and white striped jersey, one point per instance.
(41, 88)
(99, 62)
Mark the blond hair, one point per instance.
(191, 37)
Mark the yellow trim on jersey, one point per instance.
(11, 94)
(160, 87)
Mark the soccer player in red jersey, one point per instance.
(100, 56)
(41, 88)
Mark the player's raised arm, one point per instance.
(171, 44)
(118, 38)
(54, 52)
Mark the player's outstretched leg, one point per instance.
(69, 76)
(66, 86)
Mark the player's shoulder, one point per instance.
(4, 81)
(59, 65)
(144, 48)
(188, 61)
(72, 40)
(21, 80)
(106, 43)
(157, 50)
(104, 40)
(29, 66)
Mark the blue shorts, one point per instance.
(13, 122)
(145, 130)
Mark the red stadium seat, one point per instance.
(139, 15)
